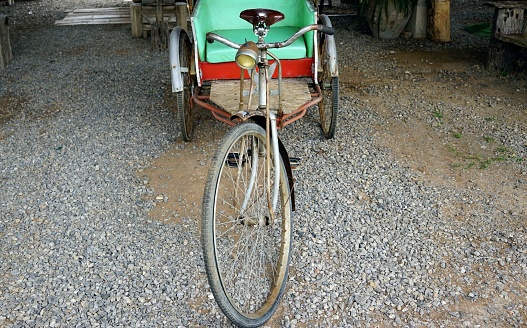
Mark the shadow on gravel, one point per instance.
(9, 106)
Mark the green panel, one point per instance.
(220, 53)
(221, 15)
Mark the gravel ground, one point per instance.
(375, 244)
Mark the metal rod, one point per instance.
(279, 82)
(242, 82)
(277, 168)
(219, 114)
(251, 88)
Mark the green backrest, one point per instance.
(214, 15)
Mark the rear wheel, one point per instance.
(185, 104)
(246, 245)
(329, 105)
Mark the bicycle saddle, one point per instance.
(258, 15)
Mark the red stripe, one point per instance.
(230, 71)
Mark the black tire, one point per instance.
(246, 254)
(329, 106)
(185, 104)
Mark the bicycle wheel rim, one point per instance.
(246, 255)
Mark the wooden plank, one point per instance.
(517, 39)
(96, 16)
(99, 10)
(76, 14)
(95, 22)
(98, 21)
(507, 4)
(119, 15)
(153, 8)
(91, 23)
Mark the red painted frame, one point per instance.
(282, 120)
(231, 71)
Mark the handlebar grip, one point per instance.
(327, 30)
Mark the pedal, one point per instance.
(295, 163)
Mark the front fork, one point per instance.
(276, 158)
(272, 143)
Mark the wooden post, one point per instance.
(6, 55)
(499, 56)
(181, 14)
(439, 20)
(159, 32)
(136, 17)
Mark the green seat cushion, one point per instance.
(217, 52)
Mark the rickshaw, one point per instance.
(257, 65)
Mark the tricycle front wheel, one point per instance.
(246, 247)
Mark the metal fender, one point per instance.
(175, 68)
(332, 48)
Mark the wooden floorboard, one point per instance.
(295, 93)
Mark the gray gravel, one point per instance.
(372, 244)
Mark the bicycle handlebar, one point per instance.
(211, 37)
